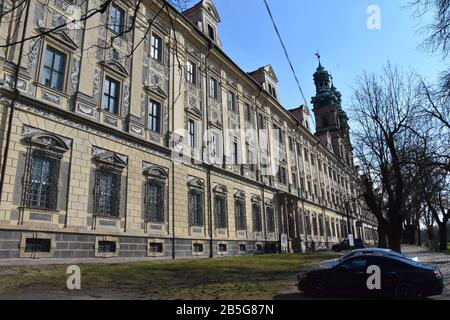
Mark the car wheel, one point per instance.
(316, 288)
(405, 291)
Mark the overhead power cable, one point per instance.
(285, 51)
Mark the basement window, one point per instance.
(198, 248)
(259, 248)
(222, 247)
(156, 247)
(242, 248)
(38, 245)
(107, 246)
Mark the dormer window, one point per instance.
(272, 90)
(211, 33)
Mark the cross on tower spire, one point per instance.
(318, 56)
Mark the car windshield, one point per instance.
(355, 252)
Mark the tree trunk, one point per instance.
(430, 233)
(382, 241)
(419, 236)
(442, 236)
(395, 238)
(410, 234)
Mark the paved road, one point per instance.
(438, 259)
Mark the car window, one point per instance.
(354, 263)
(387, 264)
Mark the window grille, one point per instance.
(196, 207)
(221, 212)
(155, 201)
(257, 221)
(42, 179)
(107, 191)
(270, 220)
(241, 223)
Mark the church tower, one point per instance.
(332, 127)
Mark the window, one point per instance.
(282, 175)
(156, 247)
(321, 229)
(155, 201)
(242, 248)
(234, 153)
(196, 208)
(261, 121)
(308, 225)
(117, 19)
(329, 230)
(211, 33)
(291, 144)
(306, 154)
(213, 92)
(54, 69)
(270, 220)
(38, 245)
(294, 180)
(107, 192)
(191, 129)
(251, 159)
(272, 91)
(325, 122)
(248, 113)
(301, 225)
(107, 246)
(280, 134)
(241, 223)
(232, 101)
(197, 247)
(156, 47)
(221, 211)
(257, 221)
(111, 95)
(154, 116)
(191, 72)
(315, 226)
(43, 184)
(354, 264)
(222, 247)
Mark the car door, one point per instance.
(349, 277)
(392, 272)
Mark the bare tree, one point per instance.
(438, 30)
(385, 107)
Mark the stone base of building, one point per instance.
(30, 244)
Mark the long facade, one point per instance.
(133, 134)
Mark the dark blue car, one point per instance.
(400, 277)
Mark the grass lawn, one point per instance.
(250, 277)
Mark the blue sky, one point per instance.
(337, 28)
